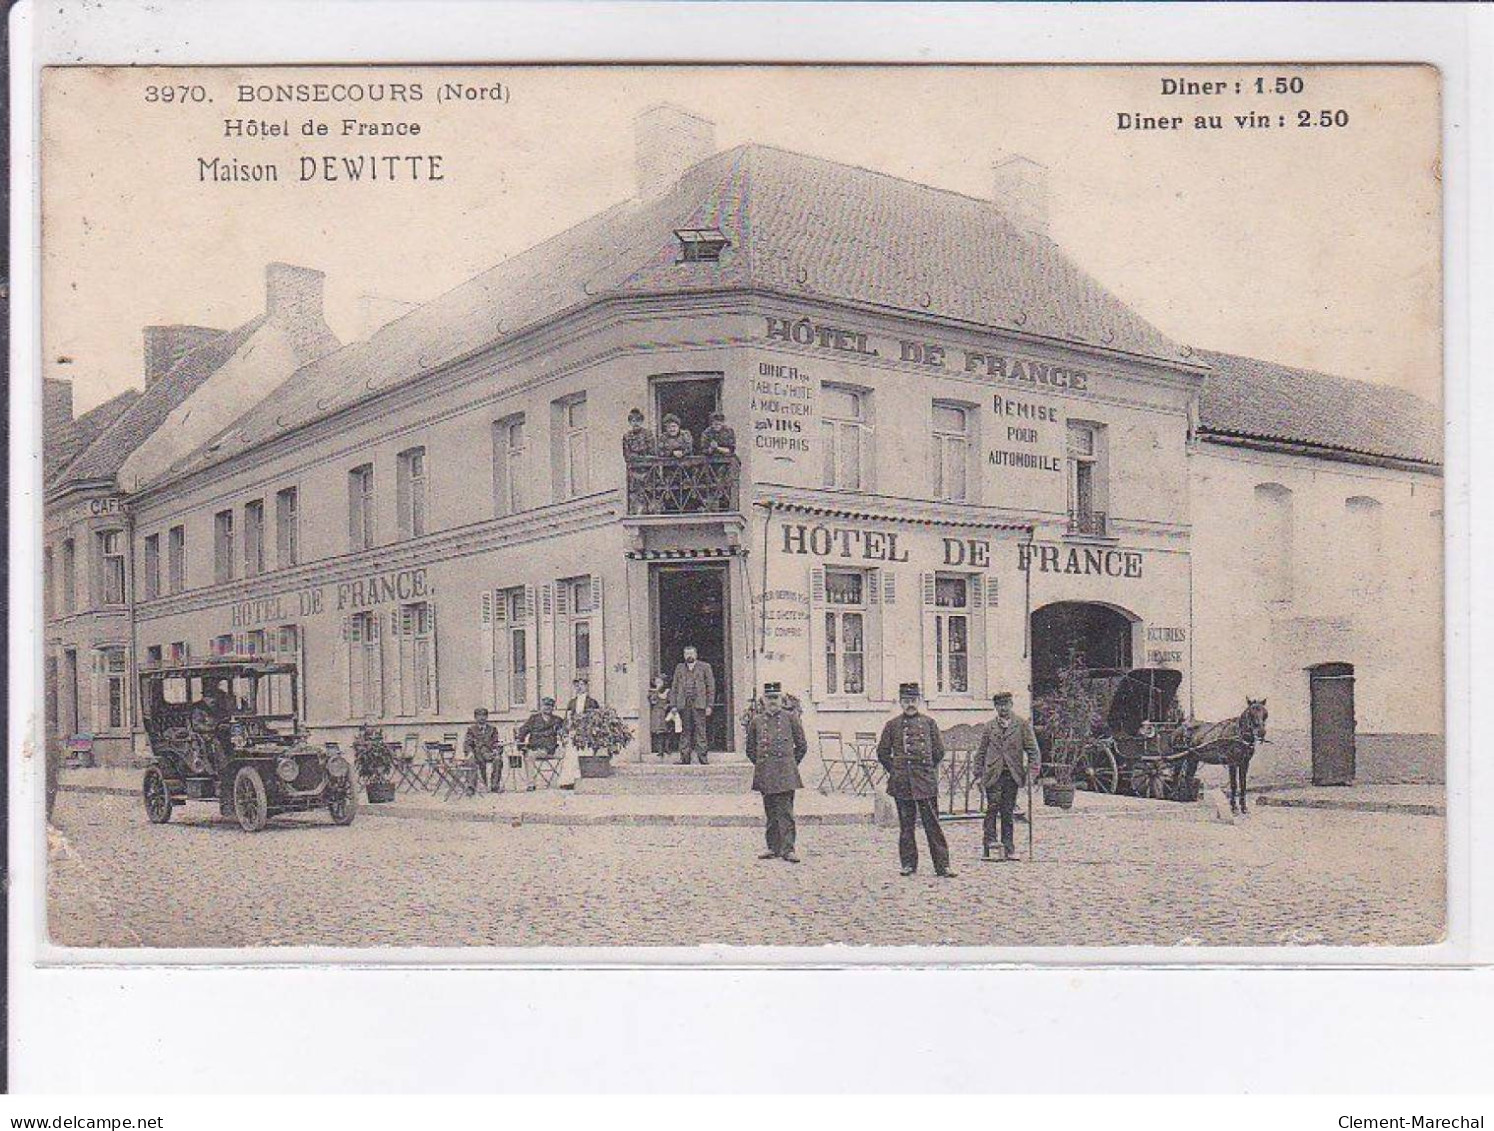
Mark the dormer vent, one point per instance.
(701, 245)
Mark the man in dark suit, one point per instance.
(539, 732)
(694, 690)
(481, 742)
(910, 750)
(1006, 757)
(775, 747)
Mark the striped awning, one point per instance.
(910, 520)
(687, 555)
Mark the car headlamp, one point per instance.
(286, 769)
(337, 766)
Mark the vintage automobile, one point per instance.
(228, 730)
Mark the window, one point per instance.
(49, 582)
(572, 454)
(845, 431)
(845, 632)
(179, 652)
(1086, 467)
(511, 642)
(1272, 541)
(951, 621)
(223, 645)
(254, 538)
(112, 669)
(361, 507)
(176, 559)
(153, 656)
(284, 643)
(410, 488)
(951, 451)
(417, 658)
(112, 567)
(365, 667)
(1366, 545)
(152, 566)
(509, 446)
(69, 577)
(578, 633)
(223, 548)
(287, 531)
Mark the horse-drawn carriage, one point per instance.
(1146, 748)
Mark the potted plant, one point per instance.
(1068, 716)
(597, 736)
(374, 762)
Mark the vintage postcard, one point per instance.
(534, 507)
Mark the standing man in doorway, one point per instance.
(1006, 758)
(775, 747)
(910, 750)
(694, 691)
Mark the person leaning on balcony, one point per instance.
(675, 442)
(638, 441)
(718, 439)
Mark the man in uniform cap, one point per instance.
(910, 750)
(1006, 757)
(775, 747)
(718, 439)
(482, 744)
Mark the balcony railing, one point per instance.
(689, 485)
(1090, 523)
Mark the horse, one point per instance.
(1229, 743)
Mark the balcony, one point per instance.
(1089, 524)
(688, 485)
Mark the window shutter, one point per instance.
(402, 497)
(565, 654)
(97, 699)
(544, 676)
(489, 634)
(930, 658)
(817, 633)
(598, 643)
(875, 666)
(531, 644)
(355, 512)
(403, 693)
(352, 635)
(889, 587)
(432, 667)
(979, 651)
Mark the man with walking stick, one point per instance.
(1007, 755)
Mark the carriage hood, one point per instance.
(1140, 695)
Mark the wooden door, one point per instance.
(1332, 693)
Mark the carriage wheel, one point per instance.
(157, 797)
(1097, 770)
(1149, 779)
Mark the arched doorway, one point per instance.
(1100, 635)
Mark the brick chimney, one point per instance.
(668, 141)
(293, 293)
(166, 345)
(57, 405)
(1019, 188)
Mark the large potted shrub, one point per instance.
(597, 736)
(1067, 716)
(374, 762)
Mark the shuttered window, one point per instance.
(176, 559)
(112, 567)
(287, 528)
(223, 548)
(956, 623)
(361, 507)
(365, 667)
(416, 670)
(254, 538)
(152, 567)
(411, 490)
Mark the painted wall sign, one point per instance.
(395, 585)
(1080, 560)
(782, 401)
(97, 508)
(1162, 635)
(278, 607)
(967, 552)
(842, 542)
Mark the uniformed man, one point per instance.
(910, 750)
(481, 742)
(718, 439)
(775, 747)
(675, 442)
(1007, 756)
(694, 692)
(638, 441)
(539, 732)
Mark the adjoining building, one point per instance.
(958, 460)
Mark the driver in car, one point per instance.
(209, 714)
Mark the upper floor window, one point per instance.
(287, 528)
(223, 547)
(1087, 478)
(410, 486)
(154, 656)
(1272, 538)
(1366, 544)
(361, 507)
(572, 448)
(254, 538)
(152, 566)
(951, 452)
(510, 445)
(176, 559)
(112, 567)
(69, 576)
(845, 431)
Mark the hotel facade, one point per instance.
(958, 460)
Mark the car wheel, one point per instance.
(344, 805)
(157, 797)
(251, 806)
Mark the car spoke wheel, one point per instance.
(344, 803)
(250, 805)
(1097, 770)
(157, 797)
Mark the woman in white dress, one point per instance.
(570, 757)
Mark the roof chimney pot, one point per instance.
(1019, 189)
(667, 142)
(293, 292)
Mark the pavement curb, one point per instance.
(1407, 808)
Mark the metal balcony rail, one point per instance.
(1087, 522)
(689, 485)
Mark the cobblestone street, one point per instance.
(1152, 875)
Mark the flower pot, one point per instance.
(595, 765)
(1058, 796)
(379, 792)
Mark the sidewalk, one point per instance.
(1415, 800)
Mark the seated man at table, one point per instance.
(482, 744)
(540, 732)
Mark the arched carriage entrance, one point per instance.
(1101, 635)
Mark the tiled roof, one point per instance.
(799, 225)
(71, 439)
(1251, 399)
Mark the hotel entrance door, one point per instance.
(689, 606)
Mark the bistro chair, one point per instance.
(868, 772)
(547, 769)
(407, 772)
(837, 765)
